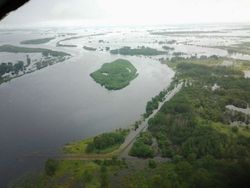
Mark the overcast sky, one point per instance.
(45, 12)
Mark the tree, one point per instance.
(104, 177)
(51, 166)
(152, 163)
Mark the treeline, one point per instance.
(142, 147)
(11, 68)
(18, 49)
(146, 51)
(153, 104)
(89, 48)
(106, 140)
(201, 173)
(191, 130)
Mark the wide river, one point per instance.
(41, 111)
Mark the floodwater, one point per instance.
(41, 111)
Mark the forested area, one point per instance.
(106, 140)
(194, 131)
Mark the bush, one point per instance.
(106, 140)
(141, 150)
(152, 163)
(51, 167)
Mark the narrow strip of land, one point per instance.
(124, 149)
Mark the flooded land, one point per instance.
(57, 87)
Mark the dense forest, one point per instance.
(194, 131)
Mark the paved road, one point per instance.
(129, 141)
(124, 149)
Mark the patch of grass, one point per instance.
(77, 147)
(115, 75)
(102, 144)
(73, 173)
(37, 41)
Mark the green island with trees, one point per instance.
(115, 75)
(146, 51)
(37, 41)
(193, 131)
(89, 48)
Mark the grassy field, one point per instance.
(115, 75)
(77, 147)
(102, 144)
(146, 51)
(66, 174)
(37, 41)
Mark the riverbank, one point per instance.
(113, 161)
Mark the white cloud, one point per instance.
(133, 11)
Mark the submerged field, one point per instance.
(115, 75)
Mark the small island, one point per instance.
(146, 51)
(115, 75)
(89, 48)
(37, 41)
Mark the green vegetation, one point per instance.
(104, 143)
(77, 147)
(194, 131)
(146, 51)
(37, 41)
(167, 48)
(65, 174)
(152, 163)
(45, 52)
(167, 42)
(115, 75)
(184, 32)
(89, 48)
(242, 48)
(51, 166)
(178, 54)
(142, 147)
(10, 68)
(49, 57)
(66, 45)
(153, 104)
